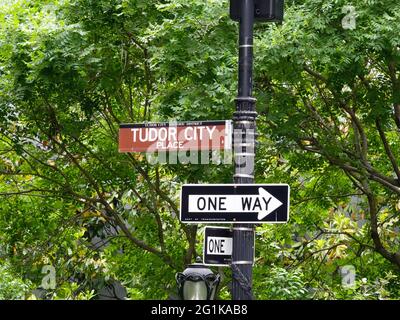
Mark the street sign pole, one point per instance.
(244, 147)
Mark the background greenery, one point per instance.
(329, 126)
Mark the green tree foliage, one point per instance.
(11, 286)
(71, 72)
(328, 99)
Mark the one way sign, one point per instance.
(230, 203)
(217, 249)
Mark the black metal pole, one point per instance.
(244, 148)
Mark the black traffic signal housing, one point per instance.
(264, 10)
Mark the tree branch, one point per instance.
(315, 74)
(326, 196)
(373, 212)
(388, 150)
(358, 128)
(396, 91)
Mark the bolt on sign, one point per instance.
(175, 136)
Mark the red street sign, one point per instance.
(175, 136)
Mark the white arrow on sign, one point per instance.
(264, 203)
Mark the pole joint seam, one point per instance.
(242, 262)
(244, 121)
(243, 175)
(250, 133)
(242, 229)
(249, 99)
(246, 154)
(243, 144)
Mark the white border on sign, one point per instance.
(234, 222)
